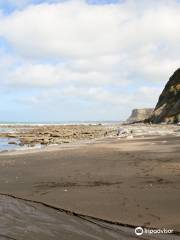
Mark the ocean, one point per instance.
(59, 123)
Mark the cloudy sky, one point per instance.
(85, 59)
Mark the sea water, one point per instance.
(58, 123)
(5, 146)
(12, 144)
(7, 143)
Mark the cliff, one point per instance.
(168, 106)
(139, 115)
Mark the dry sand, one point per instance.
(132, 182)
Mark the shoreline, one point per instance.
(36, 136)
(50, 148)
(83, 123)
(138, 131)
(72, 145)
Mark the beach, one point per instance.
(128, 179)
(89, 120)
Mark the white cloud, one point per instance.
(74, 45)
(48, 75)
(76, 30)
(69, 29)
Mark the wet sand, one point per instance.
(24, 219)
(132, 182)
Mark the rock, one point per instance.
(122, 133)
(55, 135)
(66, 141)
(21, 144)
(44, 141)
(168, 107)
(10, 135)
(12, 142)
(46, 135)
(139, 115)
(27, 140)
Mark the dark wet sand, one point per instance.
(24, 219)
(128, 181)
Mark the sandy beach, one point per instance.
(129, 181)
(89, 120)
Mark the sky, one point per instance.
(80, 60)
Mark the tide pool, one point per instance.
(5, 146)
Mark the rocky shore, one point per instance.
(56, 134)
(31, 136)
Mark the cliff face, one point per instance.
(138, 115)
(168, 107)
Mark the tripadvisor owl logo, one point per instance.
(139, 231)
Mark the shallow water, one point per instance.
(5, 146)
(4, 141)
